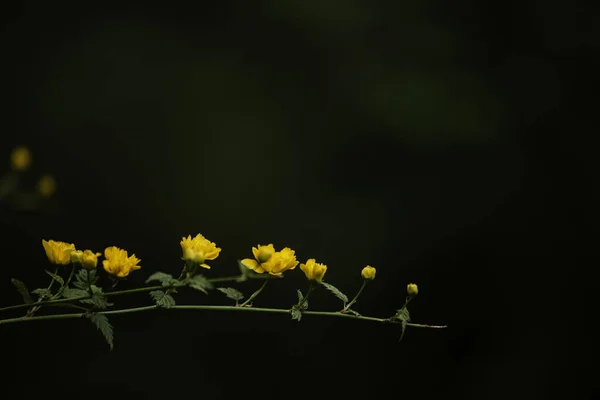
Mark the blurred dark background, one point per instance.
(441, 142)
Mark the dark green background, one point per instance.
(440, 143)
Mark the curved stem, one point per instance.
(244, 304)
(355, 297)
(301, 303)
(213, 308)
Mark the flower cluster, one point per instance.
(117, 262)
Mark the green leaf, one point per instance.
(162, 299)
(164, 279)
(403, 330)
(231, 293)
(200, 283)
(300, 298)
(70, 293)
(336, 292)
(22, 289)
(98, 298)
(101, 322)
(402, 315)
(43, 293)
(57, 278)
(296, 314)
(81, 278)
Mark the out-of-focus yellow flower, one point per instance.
(199, 249)
(77, 257)
(368, 272)
(47, 185)
(20, 158)
(313, 270)
(118, 263)
(58, 252)
(89, 259)
(271, 261)
(412, 289)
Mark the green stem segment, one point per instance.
(356, 297)
(212, 308)
(301, 303)
(244, 304)
(118, 293)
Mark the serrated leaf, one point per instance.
(231, 293)
(98, 298)
(337, 293)
(70, 293)
(402, 315)
(296, 314)
(84, 278)
(57, 278)
(163, 278)
(43, 293)
(101, 322)
(300, 298)
(22, 289)
(162, 299)
(200, 283)
(403, 330)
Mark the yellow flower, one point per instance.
(77, 257)
(412, 289)
(263, 253)
(118, 263)
(89, 259)
(271, 261)
(368, 272)
(281, 261)
(199, 249)
(58, 252)
(313, 270)
(20, 158)
(46, 186)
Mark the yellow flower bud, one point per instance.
(20, 158)
(368, 272)
(313, 270)
(90, 259)
(263, 253)
(58, 252)
(412, 289)
(77, 257)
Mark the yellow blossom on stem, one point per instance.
(58, 252)
(412, 289)
(368, 273)
(89, 259)
(199, 249)
(281, 261)
(77, 257)
(270, 261)
(118, 263)
(263, 253)
(20, 158)
(313, 270)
